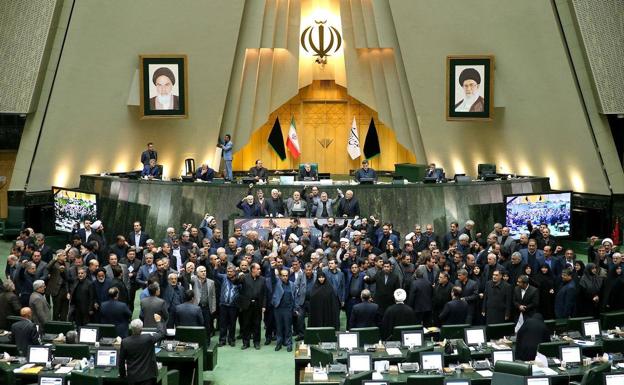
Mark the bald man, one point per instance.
(24, 332)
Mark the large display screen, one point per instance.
(71, 207)
(554, 209)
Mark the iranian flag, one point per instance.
(293, 142)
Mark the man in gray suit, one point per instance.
(508, 244)
(324, 207)
(205, 296)
(38, 304)
(113, 260)
(296, 204)
(153, 305)
(430, 270)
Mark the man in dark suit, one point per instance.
(205, 173)
(307, 173)
(138, 238)
(152, 170)
(116, 313)
(398, 314)
(9, 303)
(148, 154)
(386, 282)
(433, 172)
(258, 172)
(419, 298)
(455, 311)
(24, 332)
(525, 298)
(497, 300)
(364, 314)
(469, 292)
(137, 358)
(252, 303)
(153, 305)
(348, 206)
(188, 314)
(565, 300)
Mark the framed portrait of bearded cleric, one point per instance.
(164, 86)
(469, 87)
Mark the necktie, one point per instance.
(324, 213)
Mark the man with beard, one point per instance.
(173, 296)
(82, 299)
(420, 295)
(396, 315)
(441, 295)
(275, 206)
(348, 206)
(205, 296)
(58, 286)
(497, 300)
(116, 312)
(164, 80)
(252, 304)
(101, 285)
(470, 81)
(228, 305)
(386, 284)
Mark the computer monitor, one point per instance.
(287, 179)
(613, 379)
(486, 169)
(87, 335)
(474, 336)
(502, 355)
(50, 379)
(448, 381)
(367, 180)
(106, 358)
(38, 354)
(359, 362)
(298, 213)
(431, 361)
(570, 354)
(412, 338)
(591, 328)
(531, 380)
(374, 383)
(348, 340)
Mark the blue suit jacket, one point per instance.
(188, 314)
(278, 293)
(116, 313)
(349, 278)
(535, 264)
(565, 300)
(227, 150)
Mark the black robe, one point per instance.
(324, 308)
(545, 283)
(396, 315)
(532, 333)
(82, 300)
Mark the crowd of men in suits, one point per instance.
(195, 276)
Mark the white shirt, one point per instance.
(137, 239)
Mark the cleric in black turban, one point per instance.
(470, 81)
(164, 80)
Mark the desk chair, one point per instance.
(75, 351)
(356, 379)
(551, 349)
(423, 379)
(320, 357)
(317, 335)
(9, 348)
(453, 332)
(576, 323)
(611, 319)
(78, 378)
(367, 336)
(594, 375)
(507, 379)
(57, 327)
(397, 330)
(173, 377)
(313, 167)
(551, 324)
(615, 345)
(105, 330)
(11, 320)
(463, 352)
(513, 367)
(413, 355)
(498, 331)
(195, 334)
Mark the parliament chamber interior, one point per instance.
(311, 192)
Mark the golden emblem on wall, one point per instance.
(322, 40)
(325, 142)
